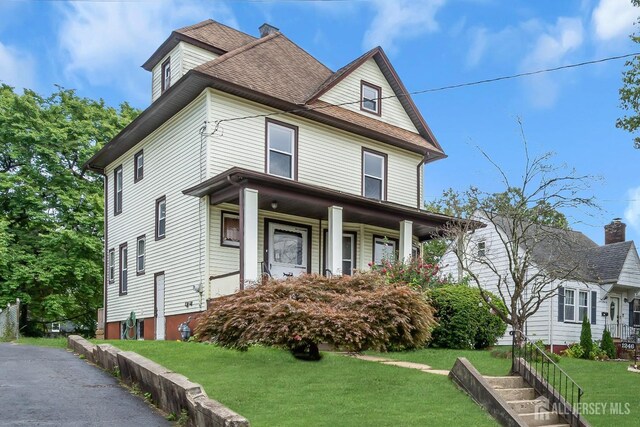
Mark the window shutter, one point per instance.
(631, 313)
(560, 304)
(594, 308)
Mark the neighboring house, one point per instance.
(254, 158)
(600, 282)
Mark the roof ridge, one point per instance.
(197, 25)
(236, 52)
(305, 52)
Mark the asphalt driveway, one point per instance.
(52, 387)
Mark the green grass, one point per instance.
(270, 387)
(43, 342)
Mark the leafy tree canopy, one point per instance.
(51, 210)
(630, 92)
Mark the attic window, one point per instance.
(370, 98)
(166, 75)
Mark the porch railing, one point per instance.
(620, 330)
(547, 378)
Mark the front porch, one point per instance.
(262, 224)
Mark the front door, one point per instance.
(287, 250)
(614, 316)
(159, 309)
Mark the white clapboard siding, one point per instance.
(630, 274)
(171, 156)
(176, 71)
(544, 324)
(193, 56)
(327, 157)
(348, 90)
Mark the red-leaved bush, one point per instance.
(353, 313)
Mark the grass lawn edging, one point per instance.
(170, 391)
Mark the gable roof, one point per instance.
(571, 253)
(399, 90)
(209, 35)
(274, 71)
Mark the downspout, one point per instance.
(551, 325)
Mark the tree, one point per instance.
(538, 254)
(630, 92)
(51, 210)
(586, 341)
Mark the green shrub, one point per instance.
(575, 351)
(536, 356)
(586, 341)
(464, 319)
(597, 353)
(416, 273)
(353, 313)
(607, 344)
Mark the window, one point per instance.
(569, 305)
(117, 190)
(415, 252)
(123, 269)
(384, 249)
(112, 265)
(636, 313)
(140, 254)
(230, 231)
(138, 166)
(370, 98)
(482, 251)
(583, 305)
(348, 252)
(161, 217)
(374, 171)
(282, 141)
(166, 75)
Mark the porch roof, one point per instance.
(312, 201)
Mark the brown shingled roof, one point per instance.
(273, 65)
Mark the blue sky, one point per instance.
(98, 47)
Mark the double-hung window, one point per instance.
(230, 230)
(370, 95)
(482, 249)
(112, 265)
(117, 190)
(348, 252)
(138, 166)
(583, 305)
(569, 305)
(161, 217)
(282, 141)
(166, 75)
(384, 249)
(124, 280)
(140, 254)
(374, 171)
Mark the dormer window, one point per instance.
(166, 74)
(370, 98)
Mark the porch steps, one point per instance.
(532, 410)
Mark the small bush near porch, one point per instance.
(353, 313)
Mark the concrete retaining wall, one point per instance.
(470, 380)
(170, 391)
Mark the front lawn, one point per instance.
(270, 387)
(43, 342)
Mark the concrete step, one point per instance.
(525, 393)
(506, 382)
(529, 406)
(541, 418)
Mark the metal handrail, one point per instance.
(557, 385)
(619, 330)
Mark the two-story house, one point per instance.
(600, 282)
(254, 158)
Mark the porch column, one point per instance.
(406, 230)
(249, 271)
(334, 240)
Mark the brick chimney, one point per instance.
(614, 232)
(266, 29)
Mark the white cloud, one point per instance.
(632, 213)
(16, 67)
(400, 19)
(551, 49)
(106, 42)
(614, 19)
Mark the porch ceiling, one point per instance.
(311, 201)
